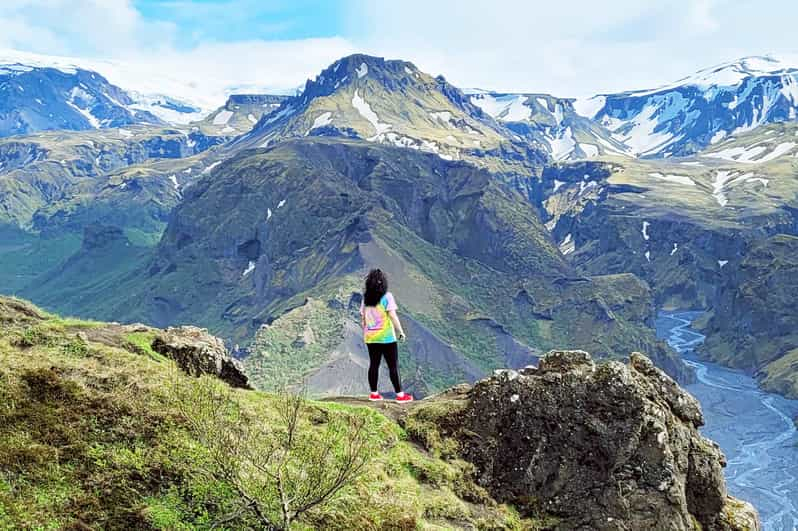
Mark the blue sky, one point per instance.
(567, 47)
(236, 20)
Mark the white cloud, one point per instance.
(568, 48)
(110, 36)
(215, 70)
(700, 16)
(95, 27)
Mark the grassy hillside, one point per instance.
(93, 434)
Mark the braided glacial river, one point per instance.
(754, 428)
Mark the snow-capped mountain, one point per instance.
(686, 116)
(172, 101)
(176, 98)
(35, 98)
(393, 102)
(389, 102)
(549, 122)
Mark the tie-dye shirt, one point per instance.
(378, 327)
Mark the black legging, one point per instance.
(390, 352)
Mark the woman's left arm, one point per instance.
(397, 324)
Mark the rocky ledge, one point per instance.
(197, 352)
(603, 447)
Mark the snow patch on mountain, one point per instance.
(640, 134)
(211, 167)
(568, 245)
(79, 100)
(504, 107)
(755, 154)
(590, 150)
(718, 184)
(679, 179)
(222, 117)
(366, 112)
(324, 119)
(562, 144)
(717, 137)
(589, 107)
(443, 116)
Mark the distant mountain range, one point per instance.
(676, 119)
(512, 222)
(697, 111)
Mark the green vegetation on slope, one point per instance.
(91, 436)
(754, 326)
(26, 256)
(302, 342)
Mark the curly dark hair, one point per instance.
(376, 287)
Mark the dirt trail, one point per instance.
(387, 407)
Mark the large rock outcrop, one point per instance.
(197, 352)
(600, 447)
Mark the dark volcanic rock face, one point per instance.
(611, 446)
(754, 325)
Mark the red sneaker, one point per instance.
(375, 397)
(404, 397)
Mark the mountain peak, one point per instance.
(731, 73)
(356, 69)
(384, 101)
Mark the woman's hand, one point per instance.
(402, 336)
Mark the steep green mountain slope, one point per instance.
(292, 228)
(93, 435)
(39, 170)
(53, 185)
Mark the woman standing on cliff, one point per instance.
(380, 326)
